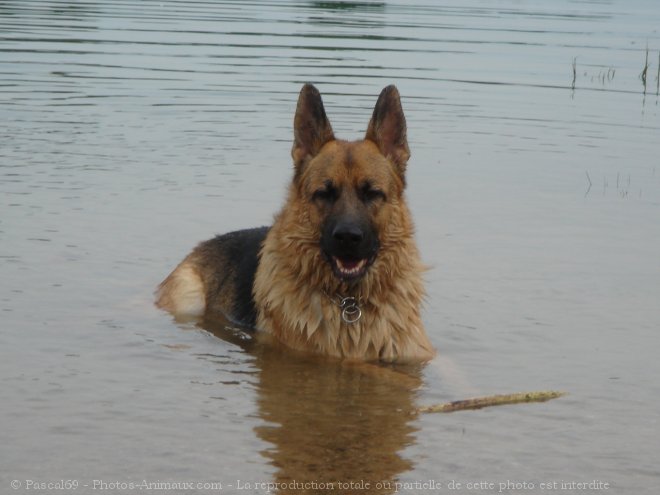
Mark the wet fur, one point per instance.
(278, 279)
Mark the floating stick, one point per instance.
(491, 400)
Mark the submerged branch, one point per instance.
(492, 400)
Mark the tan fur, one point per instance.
(294, 284)
(182, 293)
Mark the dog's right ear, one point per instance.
(311, 127)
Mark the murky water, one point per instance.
(131, 130)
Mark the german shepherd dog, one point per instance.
(338, 273)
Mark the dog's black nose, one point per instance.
(347, 235)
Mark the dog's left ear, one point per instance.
(387, 128)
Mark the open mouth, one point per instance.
(349, 268)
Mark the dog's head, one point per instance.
(352, 190)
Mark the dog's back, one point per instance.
(216, 277)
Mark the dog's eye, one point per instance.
(371, 194)
(328, 194)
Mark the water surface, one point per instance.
(130, 131)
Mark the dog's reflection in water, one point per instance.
(330, 421)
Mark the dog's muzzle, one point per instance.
(350, 248)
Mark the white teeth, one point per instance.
(350, 271)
